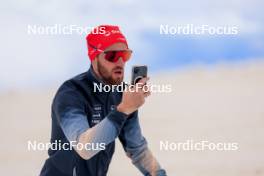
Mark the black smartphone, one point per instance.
(138, 72)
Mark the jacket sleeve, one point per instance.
(136, 148)
(69, 109)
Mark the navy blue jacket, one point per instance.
(77, 108)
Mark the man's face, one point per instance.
(110, 72)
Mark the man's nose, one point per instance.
(120, 62)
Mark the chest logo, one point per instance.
(97, 114)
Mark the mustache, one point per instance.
(118, 68)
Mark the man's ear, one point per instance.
(94, 63)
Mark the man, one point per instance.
(82, 116)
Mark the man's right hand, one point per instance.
(133, 98)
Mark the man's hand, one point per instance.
(134, 97)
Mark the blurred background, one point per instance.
(217, 80)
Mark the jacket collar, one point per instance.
(92, 80)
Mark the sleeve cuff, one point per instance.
(117, 118)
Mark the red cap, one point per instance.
(102, 37)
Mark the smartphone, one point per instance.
(138, 72)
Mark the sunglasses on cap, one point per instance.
(114, 55)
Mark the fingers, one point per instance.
(142, 84)
(146, 94)
(143, 81)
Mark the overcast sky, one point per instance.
(44, 60)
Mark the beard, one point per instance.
(107, 76)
